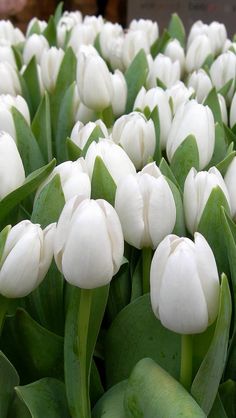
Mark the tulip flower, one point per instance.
(217, 34)
(229, 179)
(197, 52)
(81, 133)
(35, 22)
(11, 84)
(232, 115)
(200, 81)
(195, 119)
(179, 94)
(81, 35)
(7, 102)
(198, 28)
(223, 108)
(197, 190)
(65, 25)
(119, 97)
(137, 137)
(175, 52)
(12, 173)
(89, 243)
(165, 70)
(184, 284)
(134, 41)
(223, 70)
(9, 34)
(109, 33)
(51, 60)
(26, 258)
(35, 45)
(7, 55)
(148, 26)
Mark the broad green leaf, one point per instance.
(160, 44)
(229, 134)
(136, 333)
(50, 32)
(228, 395)
(95, 135)
(119, 294)
(213, 102)
(65, 123)
(217, 410)
(102, 184)
(30, 75)
(225, 89)
(220, 149)
(185, 157)
(152, 392)
(111, 403)
(160, 84)
(135, 77)
(166, 171)
(31, 183)
(179, 228)
(72, 150)
(8, 380)
(17, 56)
(206, 382)
(176, 29)
(107, 116)
(35, 28)
(27, 144)
(58, 12)
(223, 165)
(41, 128)
(137, 289)
(208, 62)
(45, 398)
(18, 409)
(155, 118)
(34, 350)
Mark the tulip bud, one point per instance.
(197, 189)
(119, 96)
(134, 41)
(74, 179)
(9, 34)
(230, 184)
(109, 33)
(184, 284)
(179, 94)
(6, 120)
(175, 52)
(198, 28)
(198, 51)
(89, 243)
(65, 24)
(51, 60)
(7, 55)
(195, 119)
(11, 84)
(90, 81)
(40, 24)
(148, 26)
(223, 70)
(223, 108)
(165, 70)
(12, 173)
(152, 98)
(96, 22)
(26, 258)
(217, 34)
(115, 57)
(137, 137)
(232, 115)
(81, 35)
(146, 208)
(35, 45)
(81, 133)
(201, 83)
(114, 157)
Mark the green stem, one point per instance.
(4, 302)
(83, 326)
(146, 264)
(186, 361)
(107, 116)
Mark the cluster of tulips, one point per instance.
(117, 219)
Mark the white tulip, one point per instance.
(217, 34)
(198, 28)
(10, 81)
(81, 35)
(35, 45)
(109, 33)
(179, 94)
(230, 184)
(232, 115)
(223, 70)
(7, 102)
(200, 81)
(7, 55)
(67, 21)
(148, 26)
(134, 41)
(175, 52)
(165, 70)
(81, 133)
(223, 108)
(35, 22)
(115, 57)
(198, 51)
(51, 60)
(9, 35)
(120, 90)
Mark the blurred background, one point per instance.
(123, 11)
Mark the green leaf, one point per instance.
(208, 62)
(217, 410)
(58, 12)
(17, 56)
(111, 403)
(65, 123)
(30, 76)
(225, 89)
(26, 143)
(152, 392)
(41, 128)
(155, 118)
(73, 151)
(220, 149)
(228, 395)
(166, 171)
(229, 134)
(136, 333)
(135, 77)
(160, 84)
(94, 136)
(160, 44)
(50, 32)
(97, 45)
(206, 382)
(176, 29)
(31, 183)
(213, 102)
(45, 398)
(102, 184)
(18, 409)
(185, 157)
(223, 165)
(179, 228)
(35, 28)
(137, 287)
(8, 380)
(119, 294)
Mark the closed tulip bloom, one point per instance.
(229, 179)
(9, 34)
(223, 108)
(35, 22)
(134, 41)
(81, 35)
(232, 115)
(7, 55)
(95, 87)
(184, 284)
(223, 70)
(51, 60)
(11, 84)
(165, 70)
(109, 32)
(119, 96)
(152, 98)
(137, 137)
(81, 133)
(179, 94)
(89, 243)
(198, 51)
(12, 173)
(217, 34)
(175, 52)
(198, 28)
(35, 45)
(113, 156)
(26, 258)
(115, 57)
(7, 102)
(65, 25)
(148, 26)
(197, 189)
(146, 208)
(195, 119)
(96, 22)
(200, 81)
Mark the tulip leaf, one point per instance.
(73, 151)
(206, 382)
(18, 409)
(135, 77)
(223, 165)
(97, 45)
(176, 29)
(156, 120)
(208, 62)
(225, 89)
(166, 171)
(152, 392)
(217, 410)
(34, 350)
(45, 398)
(179, 228)
(94, 136)
(8, 380)
(220, 149)
(27, 144)
(119, 294)
(160, 44)
(185, 157)
(134, 334)
(137, 288)
(160, 84)
(213, 102)
(41, 128)
(35, 28)
(17, 56)
(111, 403)
(30, 76)
(228, 395)
(102, 184)
(30, 185)
(58, 12)
(72, 365)
(50, 32)
(229, 134)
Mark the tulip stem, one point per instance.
(84, 375)
(4, 302)
(146, 264)
(186, 361)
